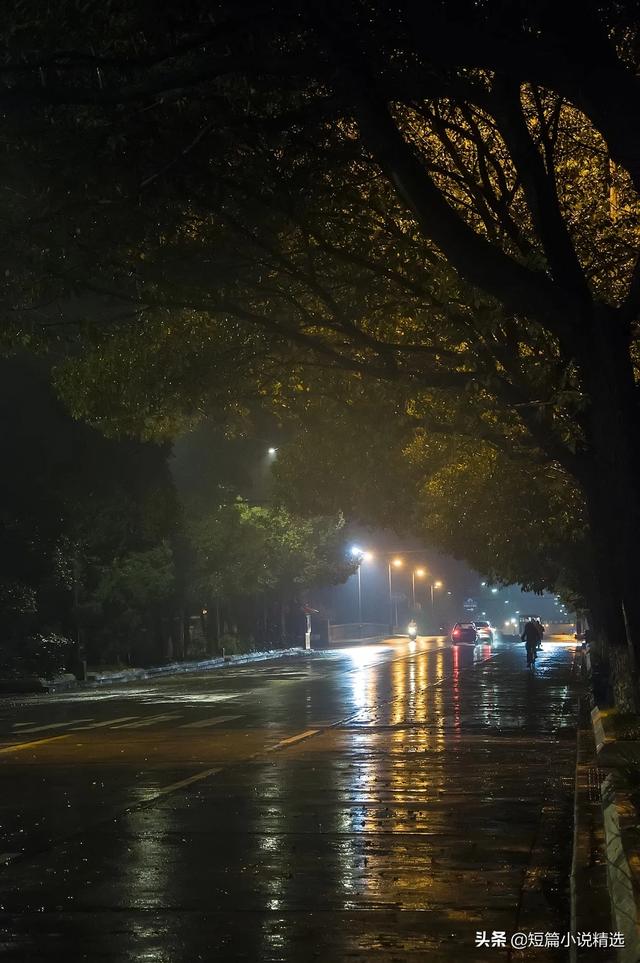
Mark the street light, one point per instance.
(396, 563)
(420, 572)
(362, 556)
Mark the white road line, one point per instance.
(30, 745)
(54, 725)
(293, 739)
(101, 725)
(204, 723)
(150, 720)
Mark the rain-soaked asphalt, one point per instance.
(383, 803)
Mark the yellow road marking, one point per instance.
(31, 745)
(187, 782)
(290, 741)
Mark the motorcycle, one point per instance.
(413, 632)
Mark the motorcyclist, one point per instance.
(413, 629)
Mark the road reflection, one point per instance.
(410, 816)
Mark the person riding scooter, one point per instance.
(413, 629)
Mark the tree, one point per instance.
(136, 596)
(75, 506)
(253, 563)
(473, 217)
(513, 519)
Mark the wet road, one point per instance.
(378, 803)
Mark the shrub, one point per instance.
(37, 654)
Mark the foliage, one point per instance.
(140, 580)
(84, 522)
(515, 522)
(232, 645)
(35, 654)
(243, 550)
(442, 196)
(511, 516)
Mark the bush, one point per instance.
(37, 654)
(232, 645)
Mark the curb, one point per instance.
(180, 668)
(598, 730)
(34, 684)
(619, 879)
(590, 901)
(623, 902)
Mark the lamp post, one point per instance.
(437, 585)
(420, 572)
(361, 556)
(396, 563)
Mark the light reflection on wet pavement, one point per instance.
(431, 799)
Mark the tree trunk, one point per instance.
(623, 679)
(612, 496)
(283, 619)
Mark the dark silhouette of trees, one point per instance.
(443, 194)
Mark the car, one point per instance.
(485, 630)
(464, 633)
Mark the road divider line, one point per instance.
(183, 783)
(102, 725)
(204, 723)
(150, 720)
(31, 745)
(54, 725)
(293, 739)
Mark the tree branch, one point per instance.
(519, 289)
(540, 189)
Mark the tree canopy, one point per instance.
(442, 196)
